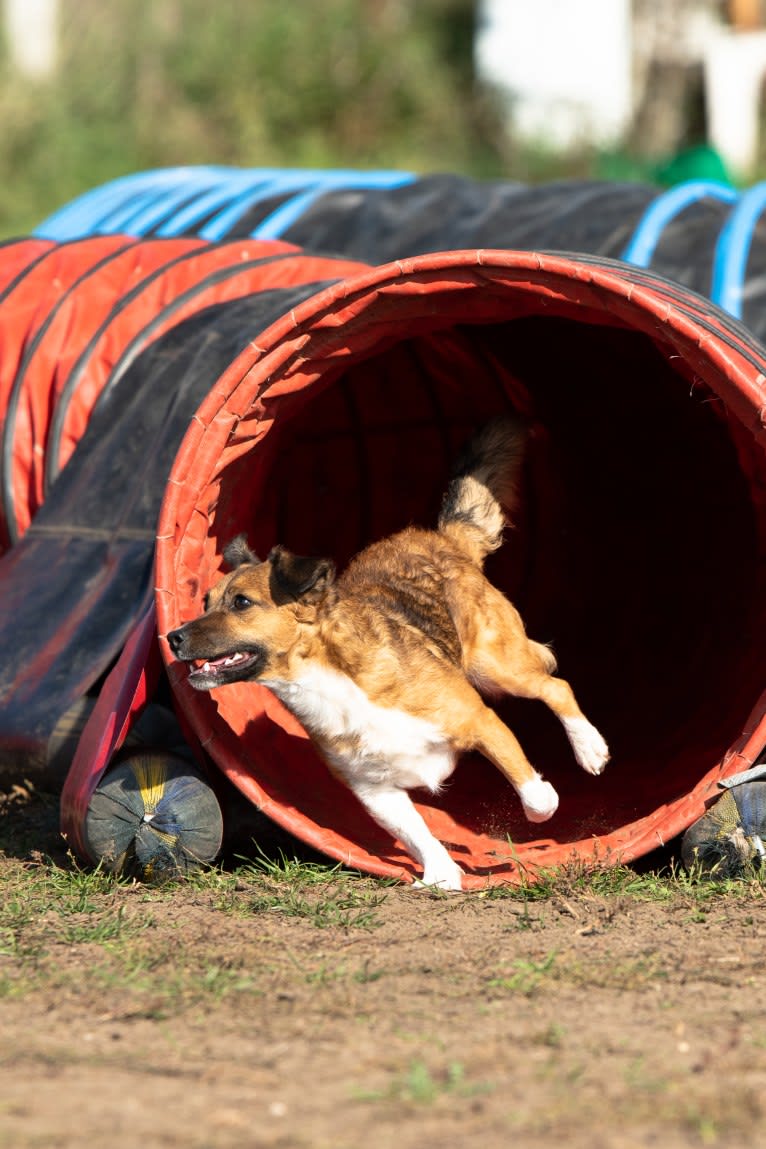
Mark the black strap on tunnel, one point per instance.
(73, 585)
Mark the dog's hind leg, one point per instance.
(496, 742)
(586, 741)
(470, 724)
(392, 808)
(588, 745)
(526, 674)
(499, 656)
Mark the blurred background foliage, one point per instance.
(143, 84)
(287, 83)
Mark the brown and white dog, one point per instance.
(383, 665)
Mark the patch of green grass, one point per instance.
(552, 1036)
(99, 928)
(624, 974)
(526, 977)
(326, 896)
(421, 1085)
(604, 880)
(638, 1078)
(365, 975)
(530, 977)
(44, 907)
(80, 890)
(42, 904)
(155, 980)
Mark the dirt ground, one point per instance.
(243, 1011)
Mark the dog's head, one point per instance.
(252, 616)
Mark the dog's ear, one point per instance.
(294, 577)
(238, 552)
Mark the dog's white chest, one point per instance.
(363, 740)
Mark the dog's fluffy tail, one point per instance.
(485, 487)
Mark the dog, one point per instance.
(385, 664)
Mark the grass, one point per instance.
(666, 884)
(527, 976)
(299, 951)
(64, 902)
(423, 1086)
(57, 918)
(327, 896)
(50, 906)
(143, 85)
(48, 909)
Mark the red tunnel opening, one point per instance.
(637, 552)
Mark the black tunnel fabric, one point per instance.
(84, 565)
(377, 222)
(448, 213)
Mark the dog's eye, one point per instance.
(241, 602)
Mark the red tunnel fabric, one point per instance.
(96, 528)
(638, 551)
(26, 302)
(16, 255)
(49, 356)
(196, 280)
(113, 296)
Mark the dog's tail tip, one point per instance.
(484, 489)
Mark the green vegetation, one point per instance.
(325, 895)
(165, 949)
(421, 1085)
(153, 83)
(664, 884)
(45, 905)
(527, 976)
(146, 84)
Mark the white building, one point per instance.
(576, 71)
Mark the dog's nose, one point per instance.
(175, 640)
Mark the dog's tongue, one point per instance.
(220, 663)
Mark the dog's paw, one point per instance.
(446, 876)
(590, 749)
(539, 799)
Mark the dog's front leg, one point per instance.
(392, 808)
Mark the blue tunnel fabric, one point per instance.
(664, 210)
(154, 200)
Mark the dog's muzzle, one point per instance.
(218, 668)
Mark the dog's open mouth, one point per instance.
(228, 668)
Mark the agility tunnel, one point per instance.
(89, 446)
(645, 480)
(327, 414)
(703, 234)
